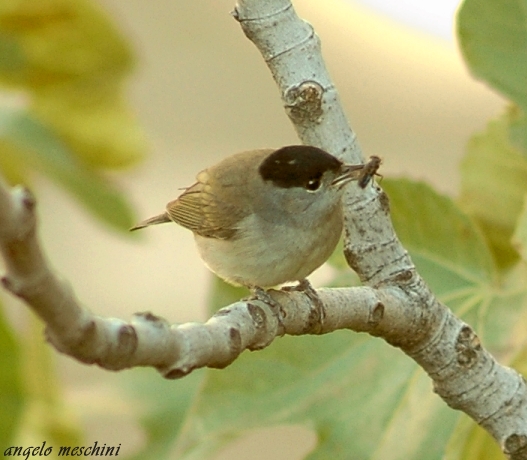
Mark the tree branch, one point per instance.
(147, 340)
(394, 303)
(464, 374)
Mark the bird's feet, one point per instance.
(258, 293)
(317, 313)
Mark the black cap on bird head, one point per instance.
(297, 165)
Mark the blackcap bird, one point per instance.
(266, 217)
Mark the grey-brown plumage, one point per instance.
(264, 217)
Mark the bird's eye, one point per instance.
(313, 184)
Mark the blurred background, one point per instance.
(202, 91)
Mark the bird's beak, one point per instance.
(346, 174)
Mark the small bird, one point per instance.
(265, 217)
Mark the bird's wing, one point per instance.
(200, 211)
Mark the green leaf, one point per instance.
(337, 259)
(461, 272)
(359, 396)
(449, 250)
(493, 186)
(518, 128)
(493, 39)
(12, 394)
(362, 398)
(38, 148)
(223, 294)
(163, 409)
(452, 254)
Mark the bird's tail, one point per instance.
(161, 219)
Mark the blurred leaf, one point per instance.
(452, 255)
(343, 275)
(51, 41)
(518, 128)
(46, 417)
(12, 394)
(471, 442)
(69, 62)
(493, 186)
(37, 148)
(337, 259)
(94, 121)
(519, 238)
(347, 387)
(493, 39)
(223, 294)
(11, 168)
(445, 244)
(363, 398)
(165, 405)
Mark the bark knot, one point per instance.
(304, 102)
(515, 445)
(467, 347)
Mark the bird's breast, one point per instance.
(266, 253)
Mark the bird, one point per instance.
(265, 217)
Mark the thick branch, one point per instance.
(147, 340)
(465, 375)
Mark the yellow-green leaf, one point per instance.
(45, 416)
(518, 128)
(471, 442)
(12, 392)
(493, 186)
(49, 41)
(72, 62)
(93, 120)
(38, 149)
(519, 238)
